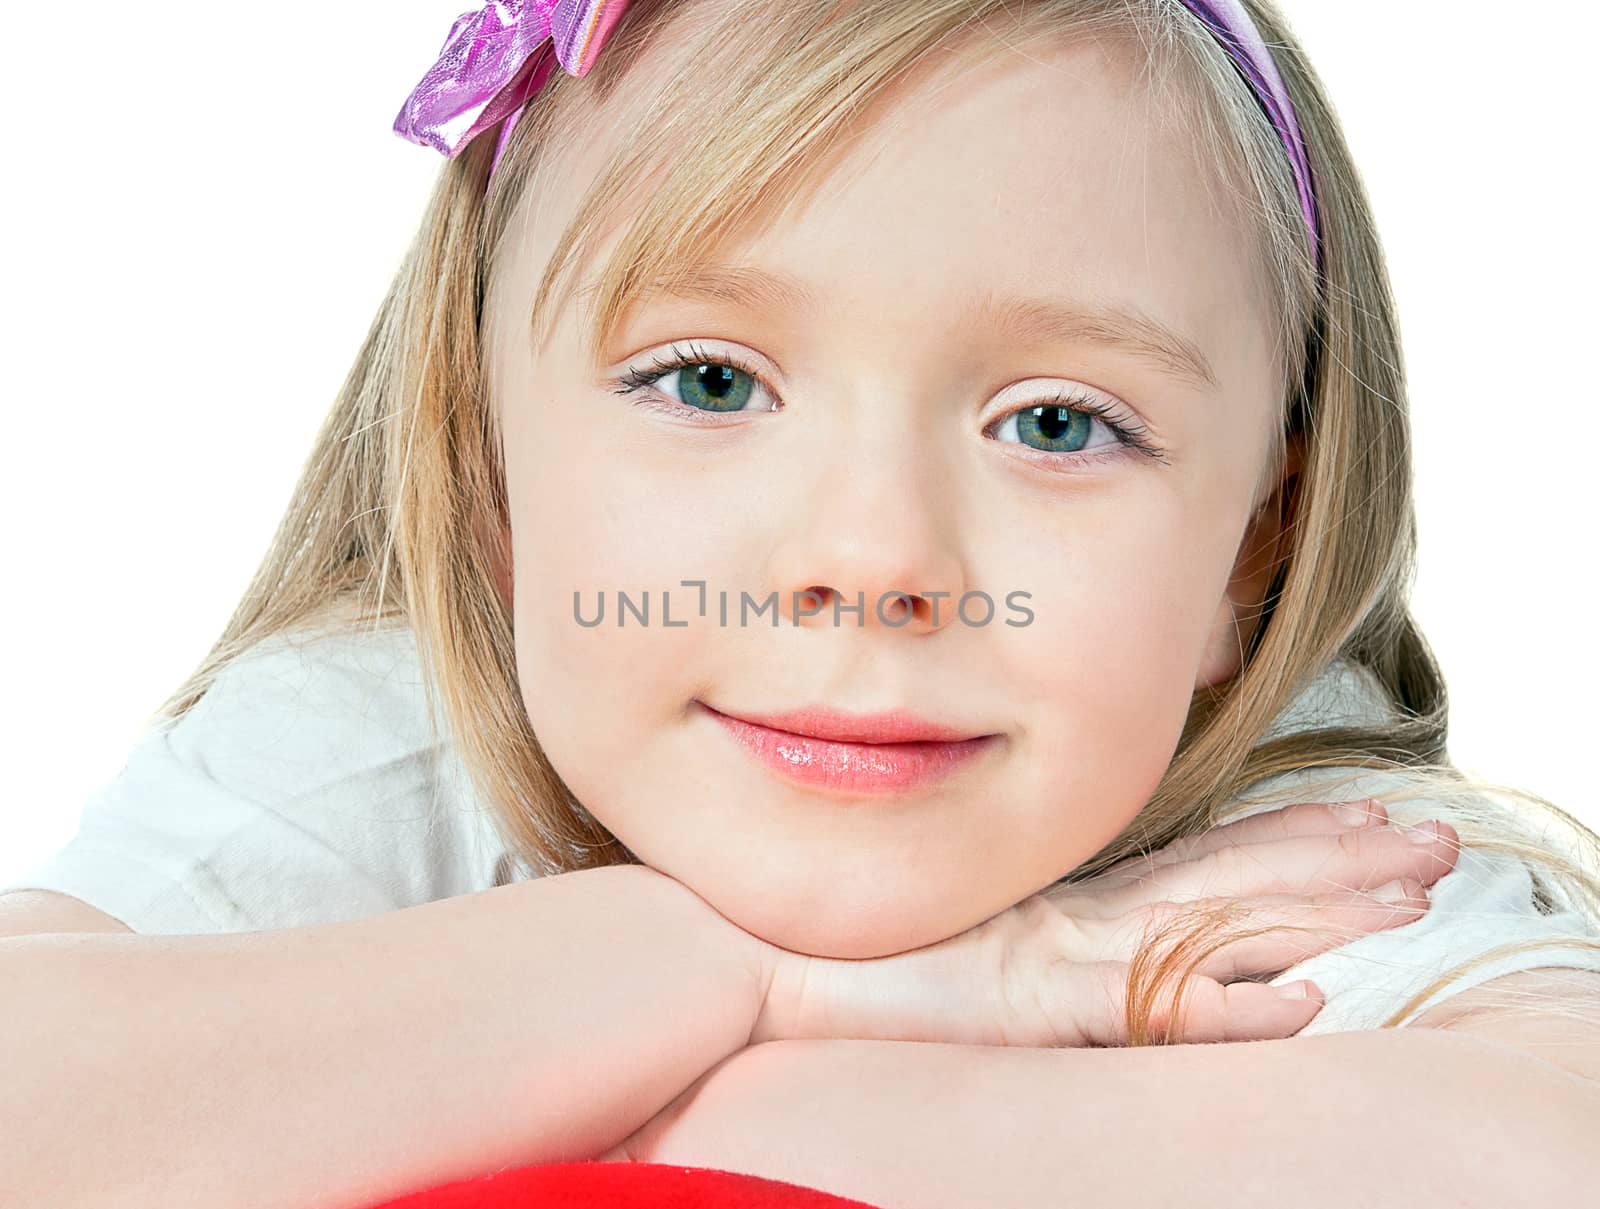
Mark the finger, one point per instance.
(1242, 1011)
(1301, 928)
(1288, 928)
(1209, 1011)
(1270, 826)
(1303, 818)
(1352, 860)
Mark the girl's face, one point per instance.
(1022, 237)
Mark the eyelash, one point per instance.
(1130, 434)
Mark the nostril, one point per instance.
(810, 602)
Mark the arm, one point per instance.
(1325, 1122)
(1551, 1012)
(349, 1063)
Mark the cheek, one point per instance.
(589, 528)
(1125, 594)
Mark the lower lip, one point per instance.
(854, 768)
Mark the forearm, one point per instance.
(1325, 1122)
(347, 1063)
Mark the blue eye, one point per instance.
(1073, 423)
(717, 383)
(1057, 428)
(711, 386)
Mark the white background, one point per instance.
(204, 206)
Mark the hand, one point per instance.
(1053, 970)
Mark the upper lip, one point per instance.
(891, 726)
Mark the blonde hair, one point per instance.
(393, 517)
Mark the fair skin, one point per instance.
(1417, 1116)
(888, 466)
(1150, 563)
(1166, 558)
(879, 451)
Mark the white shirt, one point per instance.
(306, 787)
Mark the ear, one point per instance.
(501, 563)
(494, 535)
(1261, 550)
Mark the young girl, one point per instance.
(855, 523)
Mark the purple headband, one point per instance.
(496, 58)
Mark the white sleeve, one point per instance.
(1485, 902)
(304, 787)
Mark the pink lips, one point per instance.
(855, 753)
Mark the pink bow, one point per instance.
(490, 65)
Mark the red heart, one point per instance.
(596, 1185)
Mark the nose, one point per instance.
(874, 546)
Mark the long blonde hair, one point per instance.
(392, 518)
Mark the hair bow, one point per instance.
(491, 64)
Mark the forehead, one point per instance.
(1044, 174)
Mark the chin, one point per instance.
(845, 928)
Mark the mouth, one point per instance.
(855, 754)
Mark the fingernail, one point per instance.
(1391, 892)
(1354, 813)
(1295, 990)
(1425, 834)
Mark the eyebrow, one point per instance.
(1033, 320)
